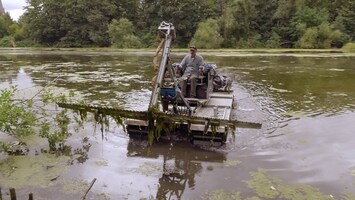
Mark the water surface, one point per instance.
(305, 101)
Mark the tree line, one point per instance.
(208, 24)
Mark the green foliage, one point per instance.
(27, 43)
(10, 32)
(241, 23)
(15, 119)
(310, 17)
(250, 42)
(56, 133)
(20, 118)
(184, 14)
(247, 24)
(69, 23)
(346, 18)
(5, 22)
(321, 36)
(17, 32)
(349, 47)
(207, 35)
(309, 39)
(274, 41)
(5, 42)
(339, 39)
(122, 34)
(227, 23)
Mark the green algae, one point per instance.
(102, 196)
(353, 171)
(231, 163)
(146, 169)
(263, 185)
(79, 186)
(273, 188)
(75, 186)
(267, 187)
(222, 195)
(102, 163)
(348, 196)
(35, 171)
(303, 157)
(302, 141)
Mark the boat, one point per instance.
(170, 114)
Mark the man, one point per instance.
(190, 64)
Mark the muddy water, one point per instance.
(305, 148)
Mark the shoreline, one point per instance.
(180, 52)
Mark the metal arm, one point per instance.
(167, 31)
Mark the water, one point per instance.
(305, 101)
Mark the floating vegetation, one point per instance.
(222, 195)
(353, 171)
(267, 187)
(348, 196)
(102, 196)
(273, 188)
(103, 163)
(36, 171)
(75, 186)
(146, 169)
(302, 141)
(303, 158)
(231, 163)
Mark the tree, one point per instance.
(5, 22)
(247, 22)
(322, 36)
(2, 10)
(184, 14)
(78, 23)
(207, 35)
(122, 34)
(42, 20)
(274, 41)
(346, 18)
(69, 23)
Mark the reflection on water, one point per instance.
(180, 165)
(312, 97)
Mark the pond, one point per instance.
(305, 148)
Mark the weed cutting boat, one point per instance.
(205, 117)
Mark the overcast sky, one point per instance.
(14, 7)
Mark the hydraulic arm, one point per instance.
(167, 32)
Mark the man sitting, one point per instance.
(190, 64)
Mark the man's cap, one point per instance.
(193, 47)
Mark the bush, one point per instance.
(121, 34)
(339, 39)
(20, 118)
(349, 47)
(251, 42)
(321, 37)
(5, 42)
(309, 39)
(274, 41)
(26, 43)
(207, 35)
